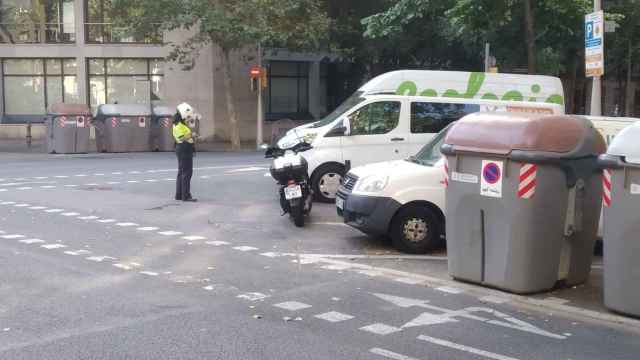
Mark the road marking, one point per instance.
(70, 214)
(380, 329)
(91, 184)
(31, 241)
(245, 248)
(71, 185)
(292, 305)
(99, 174)
(81, 175)
(469, 349)
(151, 180)
(116, 173)
(3, 190)
(21, 205)
(372, 273)
(149, 273)
(494, 299)
(113, 182)
(338, 267)
(334, 316)
(248, 169)
(170, 233)
(252, 296)
(122, 266)
(41, 177)
(134, 172)
(47, 187)
(390, 354)
(7, 203)
(100, 258)
(194, 237)
(61, 176)
(91, 217)
(217, 243)
(106, 221)
(54, 210)
(272, 254)
(450, 290)
(78, 252)
(12, 236)
(126, 224)
(25, 188)
(53, 246)
(408, 280)
(37, 207)
(208, 287)
(147, 228)
(133, 181)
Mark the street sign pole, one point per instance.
(596, 85)
(260, 118)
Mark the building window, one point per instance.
(101, 26)
(31, 85)
(125, 81)
(288, 93)
(37, 21)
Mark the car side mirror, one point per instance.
(346, 124)
(337, 131)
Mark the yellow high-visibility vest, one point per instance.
(180, 132)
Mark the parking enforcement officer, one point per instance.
(185, 148)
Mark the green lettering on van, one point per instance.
(429, 92)
(407, 88)
(512, 95)
(555, 99)
(473, 87)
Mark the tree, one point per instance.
(231, 25)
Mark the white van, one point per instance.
(404, 199)
(395, 114)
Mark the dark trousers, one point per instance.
(184, 153)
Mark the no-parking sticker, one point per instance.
(491, 179)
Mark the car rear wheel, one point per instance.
(416, 229)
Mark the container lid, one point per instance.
(626, 144)
(69, 109)
(163, 110)
(124, 110)
(556, 136)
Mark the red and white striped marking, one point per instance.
(446, 173)
(114, 122)
(62, 120)
(166, 122)
(528, 182)
(606, 187)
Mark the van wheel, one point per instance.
(325, 182)
(416, 230)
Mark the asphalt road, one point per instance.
(98, 262)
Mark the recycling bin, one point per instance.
(123, 128)
(161, 128)
(523, 200)
(68, 128)
(621, 197)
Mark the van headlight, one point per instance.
(372, 183)
(308, 138)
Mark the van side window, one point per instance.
(433, 117)
(375, 118)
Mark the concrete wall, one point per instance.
(17, 132)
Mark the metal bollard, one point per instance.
(29, 137)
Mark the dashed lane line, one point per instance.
(170, 233)
(390, 354)
(380, 329)
(245, 248)
(292, 305)
(147, 228)
(468, 349)
(53, 246)
(334, 316)
(12, 236)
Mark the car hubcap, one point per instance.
(415, 230)
(329, 184)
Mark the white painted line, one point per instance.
(78, 252)
(170, 233)
(98, 174)
(61, 176)
(390, 354)
(306, 261)
(70, 214)
(31, 241)
(292, 305)
(113, 182)
(71, 185)
(122, 266)
(217, 243)
(81, 175)
(272, 254)
(376, 257)
(91, 184)
(194, 237)
(380, 329)
(126, 224)
(245, 248)
(7, 203)
(53, 246)
(116, 173)
(328, 223)
(47, 187)
(249, 169)
(106, 221)
(334, 316)
(13, 236)
(54, 210)
(134, 172)
(252, 296)
(494, 299)
(450, 290)
(151, 180)
(169, 179)
(469, 349)
(147, 228)
(208, 287)
(409, 280)
(25, 188)
(37, 207)
(21, 205)
(149, 273)
(3, 190)
(100, 258)
(267, 174)
(338, 267)
(91, 217)
(41, 177)
(370, 272)
(133, 181)
(205, 177)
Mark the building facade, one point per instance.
(70, 51)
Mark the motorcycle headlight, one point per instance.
(372, 183)
(308, 138)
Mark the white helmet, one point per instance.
(186, 111)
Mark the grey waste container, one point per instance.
(123, 128)
(161, 128)
(68, 128)
(621, 195)
(523, 200)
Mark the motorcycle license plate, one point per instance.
(292, 192)
(339, 203)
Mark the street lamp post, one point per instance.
(596, 84)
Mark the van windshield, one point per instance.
(352, 101)
(430, 153)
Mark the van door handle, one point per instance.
(397, 139)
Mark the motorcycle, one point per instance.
(290, 170)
